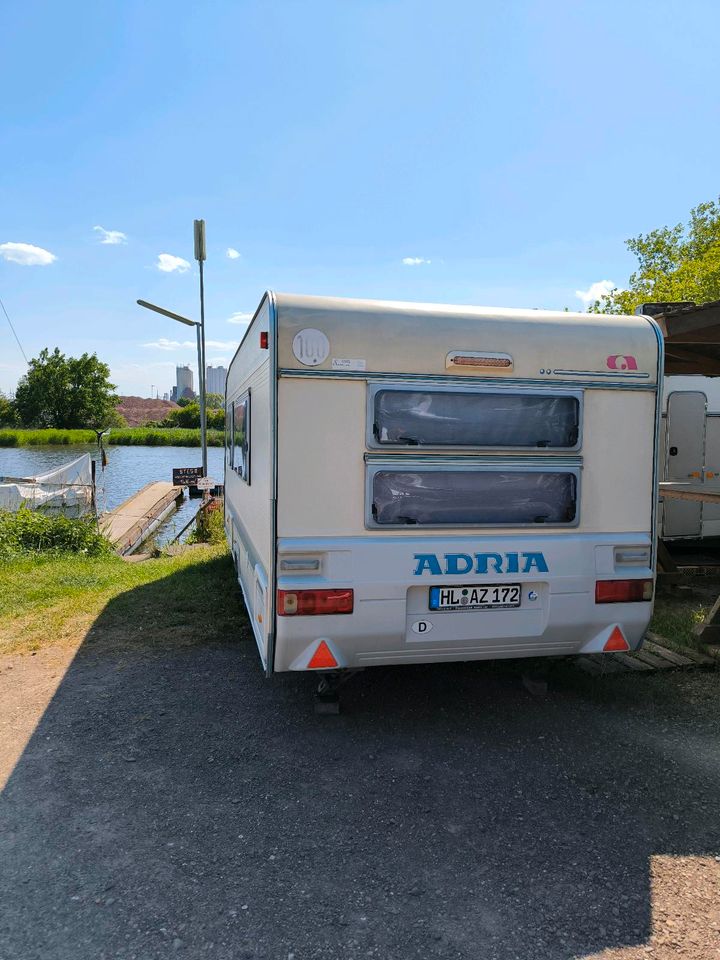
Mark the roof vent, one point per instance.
(471, 358)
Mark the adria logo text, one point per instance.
(456, 564)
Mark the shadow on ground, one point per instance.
(174, 802)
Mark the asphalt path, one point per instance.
(178, 804)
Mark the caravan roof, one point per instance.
(379, 336)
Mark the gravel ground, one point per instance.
(177, 804)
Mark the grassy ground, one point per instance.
(189, 598)
(679, 609)
(119, 436)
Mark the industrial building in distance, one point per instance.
(214, 382)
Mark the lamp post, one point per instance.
(199, 243)
(200, 346)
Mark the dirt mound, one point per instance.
(139, 410)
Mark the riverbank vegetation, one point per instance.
(209, 525)
(121, 436)
(29, 533)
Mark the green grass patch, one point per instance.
(107, 603)
(118, 436)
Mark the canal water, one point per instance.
(128, 469)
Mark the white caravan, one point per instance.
(690, 453)
(409, 483)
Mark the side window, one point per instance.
(241, 438)
(229, 434)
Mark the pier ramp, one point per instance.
(130, 524)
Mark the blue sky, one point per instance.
(508, 147)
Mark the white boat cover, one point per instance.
(67, 490)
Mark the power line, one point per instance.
(7, 317)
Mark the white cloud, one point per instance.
(26, 254)
(162, 343)
(415, 261)
(167, 263)
(111, 237)
(595, 291)
(232, 254)
(240, 317)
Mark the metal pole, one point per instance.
(203, 442)
(199, 238)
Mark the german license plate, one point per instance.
(489, 596)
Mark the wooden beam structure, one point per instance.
(672, 490)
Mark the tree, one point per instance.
(66, 392)
(8, 413)
(674, 263)
(189, 416)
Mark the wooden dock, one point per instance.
(130, 524)
(654, 655)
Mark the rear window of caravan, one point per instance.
(473, 496)
(460, 418)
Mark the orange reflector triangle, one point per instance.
(322, 658)
(616, 641)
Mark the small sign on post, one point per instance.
(199, 237)
(206, 483)
(186, 476)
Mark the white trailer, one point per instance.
(690, 453)
(409, 483)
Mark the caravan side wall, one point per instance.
(690, 425)
(711, 511)
(249, 468)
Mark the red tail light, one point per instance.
(623, 591)
(313, 603)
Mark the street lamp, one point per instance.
(200, 256)
(198, 332)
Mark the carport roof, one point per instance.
(692, 336)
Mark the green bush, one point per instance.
(189, 417)
(29, 531)
(210, 524)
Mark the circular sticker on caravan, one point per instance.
(311, 347)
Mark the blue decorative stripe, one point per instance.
(601, 373)
(538, 383)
